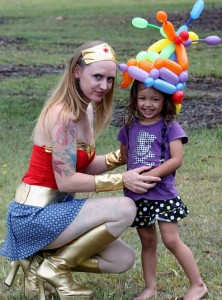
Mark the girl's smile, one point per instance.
(150, 104)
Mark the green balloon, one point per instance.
(140, 22)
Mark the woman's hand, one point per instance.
(135, 181)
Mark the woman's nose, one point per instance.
(104, 84)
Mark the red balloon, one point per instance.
(184, 35)
(178, 97)
(177, 40)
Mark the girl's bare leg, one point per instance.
(148, 237)
(171, 239)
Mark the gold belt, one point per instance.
(37, 195)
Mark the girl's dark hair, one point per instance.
(131, 112)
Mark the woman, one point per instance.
(45, 214)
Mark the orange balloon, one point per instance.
(169, 30)
(145, 65)
(127, 79)
(182, 56)
(161, 16)
(159, 63)
(132, 62)
(173, 66)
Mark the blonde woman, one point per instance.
(51, 233)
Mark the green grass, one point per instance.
(46, 32)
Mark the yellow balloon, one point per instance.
(143, 55)
(159, 45)
(152, 55)
(178, 108)
(193, 36)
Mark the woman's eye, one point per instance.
(110, 79)
(97, 76)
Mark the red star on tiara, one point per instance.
(106, 50)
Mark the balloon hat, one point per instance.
(164, 65)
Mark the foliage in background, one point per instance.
(44, 33)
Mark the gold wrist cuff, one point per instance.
(114, 160)
(108, 182)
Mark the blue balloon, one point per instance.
(149, 82)
(182, 28)
(164, 86)
(197, 9)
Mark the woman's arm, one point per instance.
(64, 157)
(172, 164)
(104, 163)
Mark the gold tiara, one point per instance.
(98, 53)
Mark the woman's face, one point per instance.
(96, 79)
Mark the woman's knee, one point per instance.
(126, 262)
(127, 209)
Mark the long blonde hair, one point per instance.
(67, 94)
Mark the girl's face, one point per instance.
(150, 104)
(96, 79)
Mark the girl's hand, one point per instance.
(135, 181)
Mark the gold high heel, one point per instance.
(29, 267)
(56, 269)
(15, 267)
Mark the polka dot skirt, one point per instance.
(149, 211)
(30, 228)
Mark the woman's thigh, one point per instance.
(116, 212)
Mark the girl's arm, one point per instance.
(123, 151)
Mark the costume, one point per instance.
(31, 227)
(144, 144)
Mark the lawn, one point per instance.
(36, 38)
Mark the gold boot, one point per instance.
(89, 265)
(24, 263)
(29, 267)
(56, 269)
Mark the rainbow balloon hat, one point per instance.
(164, 65)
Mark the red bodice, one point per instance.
(40, 171)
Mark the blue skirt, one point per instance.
(31, 228)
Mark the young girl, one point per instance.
(152, 136)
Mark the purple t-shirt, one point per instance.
(144, 148)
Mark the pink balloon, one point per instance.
(168, 76)
(154, 73)
(212, 40)
(183, 76)
(138, 73)
(123, 67)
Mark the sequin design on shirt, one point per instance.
(143, 144)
